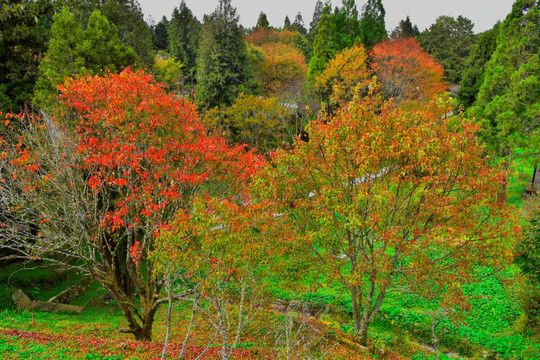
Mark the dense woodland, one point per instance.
(331, 190)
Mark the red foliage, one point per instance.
(405, 71)
(146, 144)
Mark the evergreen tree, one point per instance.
(449, 41)
(405, 29)
(24, 32)
(473, 72)
(317, 13)
(347, 25)
(128, 18)
(184, 33)
(324, 45)
(298, 25)
(509, 96)
(73, 51)
(262, 22)
(372, 26)
(286, 23)
(160, 34)
(222, 65)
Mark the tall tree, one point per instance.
(372, 25)
(298, 25)
(223, 69)
(160, 34)
(184, 34)
(317, 13)
(262, 22)
(405, 29)
(343, 74)
(509, 97)
(286, 23)
(474, 67)
(73, 51)
(389, 199)
(325, 44)
(347, 25)
(405, 71)
(128, 18)
(104, 189)
(449, 41)
(24, 30)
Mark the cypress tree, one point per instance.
(372, 25)
(73, 51)
(509, 97)
(324, 45)
(222, 65)
(184, 33)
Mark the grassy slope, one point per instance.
(490, 327)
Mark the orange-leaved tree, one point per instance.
(392, 198)
(342, 75)
(405, 71)
(283, 71)
(102, 180)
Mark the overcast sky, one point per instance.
(483, 13)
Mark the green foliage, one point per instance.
(223, 69)
(325, 43)
(508, 98)
(73, 51)
(184, 33)
(405, 29)
(473, 72)
(259, 123)
(262, 22)
(24, 31)
(313, 25)
(449, 41)
(372, 25)
(347, 25)
(127, 17)
(528, 249)
(160, 34)
(169, 71)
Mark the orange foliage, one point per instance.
(267, 36)
(346, 71)
(397, 195)
(283, 70)
(405, 71)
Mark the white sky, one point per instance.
(483, 13)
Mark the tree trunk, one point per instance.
(363, 332)
(356, 303)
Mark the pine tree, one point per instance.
(473, 72)
(286, 23)
(184, 33)
(73, 51)
(262, 22)
(509, 98)
(372, 25)
(405, 29)
(222, 65)
(24, 32)
(127, 17)
(317, 13)
(449, 41)
(298, 25)
(347, 25)
(324, 45)
(160, 34)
